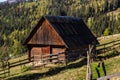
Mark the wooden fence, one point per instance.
(21, 62)
(103, 48)
(107, 47)
(5, 69)
(6, 66)
(54, 58)
(63, 57)
(89, 61)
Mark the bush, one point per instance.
(106, 32)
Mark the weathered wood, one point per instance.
(116, 41)
(55, 58)
(5, 68)
(5, 72)
(52, 56)
(108, 46)
(19, 61)
(47, 55)
(60, 34)
(19, 64)
(89, 56)
(109, 76)
(45, 32)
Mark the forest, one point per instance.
(18, 19)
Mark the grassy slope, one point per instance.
(73, 71)
(111, 65)
(58, 72)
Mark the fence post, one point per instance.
(43, 60)
(20, 65)
(119, 44)
(104, 50)
(58, 58)
(33, 60)
(66, 58)
(89, 72)
(8, 68)
(113, 45)
(4, 69)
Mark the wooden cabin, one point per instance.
(57, 34)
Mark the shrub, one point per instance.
(26, 68)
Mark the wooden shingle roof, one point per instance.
(72, 31)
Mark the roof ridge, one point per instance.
(45, 16)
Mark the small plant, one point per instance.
(26, 68)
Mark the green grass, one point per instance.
(19, 58)
(109, 39)
(112, 65)
(73, 71)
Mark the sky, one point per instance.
(2, 0)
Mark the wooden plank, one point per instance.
(4, 72)
(49, 59)
(19, 64)
(89, 56)
(43, 35)
(20, 61)
(3, 69)
(48, 55)
(52, 57)
(3, 66)
(109, 76)
(106, 49)
(107, 43)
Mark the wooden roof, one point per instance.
(72, 31)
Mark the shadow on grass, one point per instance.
(102, 58)
(51, 72)
(113, 54)
(110, 55)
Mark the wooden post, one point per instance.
(66, 59)
(43, 60)
(58, 58)
(29, 53)
(89, 71)
(8, 68)
(4, 69)
(104, 50)
(87, 68)
(94, 51)
(32, 60)
(104, 47)
(119, 43)
(20, 65)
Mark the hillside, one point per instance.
(17, 20)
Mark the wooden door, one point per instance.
(46, 53)
(45, 50)
(36, 52)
